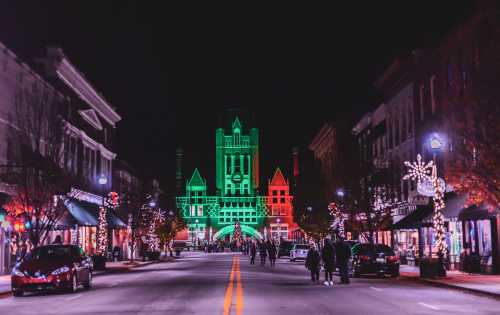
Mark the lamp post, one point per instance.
(196, 231)
(102, 232)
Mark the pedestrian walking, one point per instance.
(271, 248)
(312, 262)
(343, 253)
(253, 253)
(328, 257)
(262, 253)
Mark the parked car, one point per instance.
(299, 251)
(378, 258)
(284, 249)
(54, 267)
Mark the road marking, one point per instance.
(113, 285)
(432, 307)
(376, 289)
(73, 297)
(229, 291)
(239, 289)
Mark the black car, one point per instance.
(374, 259)
(284, 249)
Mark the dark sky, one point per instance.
(171, 71)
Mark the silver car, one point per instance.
(299, 251)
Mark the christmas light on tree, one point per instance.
(102, 232)
(338, 217)
(237, 232)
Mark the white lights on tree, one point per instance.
(420, 172)
(338, 223)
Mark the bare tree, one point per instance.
(36, 158)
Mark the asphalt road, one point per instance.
(228, 284)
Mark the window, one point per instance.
(433, 97)
(200, 211)
(275, 192)
(192, 210)
(282, 192)
(421, 99)
(282, 200)
(275, 200)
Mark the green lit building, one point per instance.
(211, 217)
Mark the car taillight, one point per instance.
(392, 259)
(364, 257)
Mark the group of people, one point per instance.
(266, 249)
(330, 256)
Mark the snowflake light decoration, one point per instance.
(418, 170)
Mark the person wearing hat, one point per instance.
(312, 262)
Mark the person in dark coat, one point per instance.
(253, 252)
(271, 248)
(343, 253)
(312, 262)
(328, 257)
(262, 253)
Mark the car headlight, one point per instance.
(58, 271)
(17, 272)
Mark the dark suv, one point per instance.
(284, 249)
(378, 258)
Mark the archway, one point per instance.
(229, 229)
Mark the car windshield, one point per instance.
(367, 249)
(52, 252)
(301, 247)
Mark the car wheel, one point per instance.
(73, 285)
(17, 293)
(355, 273)
(88, 284)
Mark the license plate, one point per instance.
(380, 260)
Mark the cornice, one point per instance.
(77, 82)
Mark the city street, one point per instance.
(227, 284)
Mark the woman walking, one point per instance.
(312, 262)
(262, 253)
(271, 247)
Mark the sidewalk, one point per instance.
(115, 266)
(475, 283)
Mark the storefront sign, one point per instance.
(426, 188)
(419, 200)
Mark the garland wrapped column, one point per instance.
(419, 171)
(102, 232)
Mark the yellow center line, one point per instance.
(239, 289)
(229, 291)
(228, 299)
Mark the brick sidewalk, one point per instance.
(476, 283)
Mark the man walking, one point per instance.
(328, 256)
(343, 253)
(312, 262)
(253, 252)
(262, 253)
(271, 248)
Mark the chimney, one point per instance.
(178, 170)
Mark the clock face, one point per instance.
(236, 178)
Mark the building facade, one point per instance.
(213, 217)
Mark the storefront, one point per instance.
(480, 239)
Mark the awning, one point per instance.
(79, 212)
(414, 219)
(454, 203)
(86, 214)
(481, 212)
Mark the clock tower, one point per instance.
(237, 165)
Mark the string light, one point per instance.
(339, 220)
(419, 171)
(102, 232)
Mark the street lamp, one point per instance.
(340, 192)
(196, 229)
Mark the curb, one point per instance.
(437, 283)
(103, 272)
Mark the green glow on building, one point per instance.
(237, 183)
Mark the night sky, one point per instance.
(172, 71)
